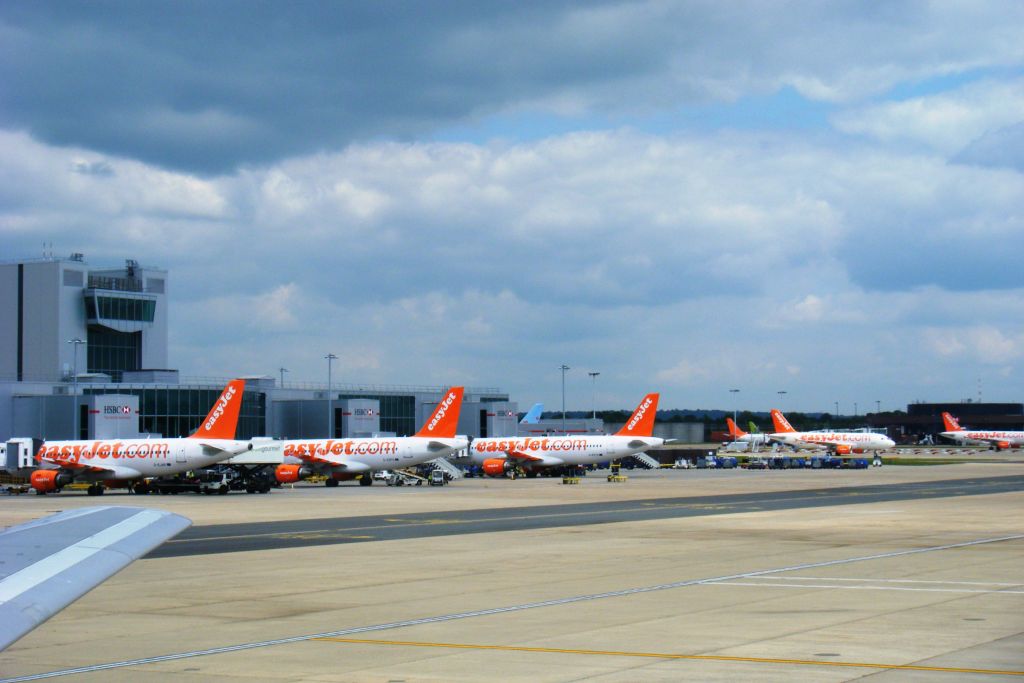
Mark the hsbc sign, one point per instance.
(117, 410)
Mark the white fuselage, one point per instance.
(867, 441)
(758, 439)
(549, 451)
(967, 436)
(135, 458)
(366, 454)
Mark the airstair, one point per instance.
(447, 467)
(647, 461)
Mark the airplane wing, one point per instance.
(546, 460)
(51, 562)
(118, 471)
(68, 463)
(214, 449)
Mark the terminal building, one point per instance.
(924, 419)
(83, 354)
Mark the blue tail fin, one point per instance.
(532, 416)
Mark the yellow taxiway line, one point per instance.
(668, 655)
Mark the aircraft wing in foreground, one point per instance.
(51, 562)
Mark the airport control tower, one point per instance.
(120, 314)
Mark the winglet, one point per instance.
(222, 420)
(445, 420)
(641, 422)
(780, 422)
(951, 423)
(734, 431)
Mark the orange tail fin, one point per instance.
(641, 422)
(780, 422)
(220, 423)
(734, 431)
(445, 420)
(951, 423)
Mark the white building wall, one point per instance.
(8, 322)
(41, 359)
(154, 337)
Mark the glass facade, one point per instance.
(397, 413)
(178, 411)
(113, 352)
(119, 308)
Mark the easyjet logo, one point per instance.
(222, 404)
(506, 445)
(74, 453)
(310, 449)
(783, 421)
(442, 408)
(639, 415)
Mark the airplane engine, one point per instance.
(496, 467)
(843, 449)
(1002, 444)
(45, 481)
(858, 450)
(289, 474)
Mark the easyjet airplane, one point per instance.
(111, 462)
(504, 455)
(737, 434)
(838, 443)
(343, 459)
(994, 439)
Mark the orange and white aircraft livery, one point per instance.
(500, 456)
(996, 439)
(839, 443)
(342, 459)
(114, 461)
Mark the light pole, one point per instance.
(735, 402)
(563, 369)
(878, 406)
(781, 394)
(593, 393)
(855, 409)
(837, 409)
(282, 371)
(330, 402)
(74, 399)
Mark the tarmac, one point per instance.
(898, 573)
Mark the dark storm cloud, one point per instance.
(208, 86)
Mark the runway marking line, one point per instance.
(672, 655)
(930, 581)
(768, 584)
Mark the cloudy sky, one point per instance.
(825, 199)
